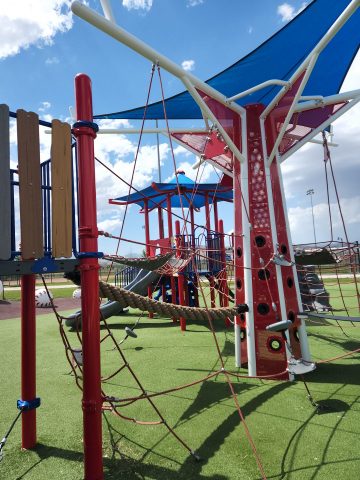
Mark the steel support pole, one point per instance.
(89, 267)
(28, 358)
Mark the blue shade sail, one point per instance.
(276, 58)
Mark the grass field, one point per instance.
(292, 440)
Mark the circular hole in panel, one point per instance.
(264, 274)
(275, 344)
(238, 284)
(238, 252)
(260, 241)
(263, 308)
(283, 249)
(290, 282)
(242, 334)
(291, 316)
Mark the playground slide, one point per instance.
(139, 285)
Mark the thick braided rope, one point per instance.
(194, 314)
(146, 263)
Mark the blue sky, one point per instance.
(43, 46)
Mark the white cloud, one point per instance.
(194, 3)
(44, 106)
(179, 150)
(301, 225)
(25, 22)
(287, 12)
(118, 152)
(137, 4)
(52, 61)
(188, 65)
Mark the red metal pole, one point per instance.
(89, 267)
(161, 223)
(193, 245)
(224, 285)
(162, 235)
(181, 279)
(170, 233)
(192, 221)
(147, 248)
(208, 228)
(28, 358)
(216, 216)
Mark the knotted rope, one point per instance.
(194, 314)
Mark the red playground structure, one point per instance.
(200, 253)
(255, 114)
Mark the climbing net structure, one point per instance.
(246, 139)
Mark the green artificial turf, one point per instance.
(292, 440)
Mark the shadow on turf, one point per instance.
(123, 468)
(214, 441)
(345, 343)
(329, 405)
(335, 373)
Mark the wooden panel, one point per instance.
(61, 189)
(30, 185)
(5, 195)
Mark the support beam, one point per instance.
(146, 51)
(28, 358)
(89, 268)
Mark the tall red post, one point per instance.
(208, 229)
(216, 215)
(193, 246)
(181, 279)
(161, 223)
(89, 268)
(147, 247)
(28, 358)
(223, 282)
(170, 233)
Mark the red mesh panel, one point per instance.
(196, 141)
(304, 123)
(301, 124)
(210, 145)
(227, 118)
(275, 120)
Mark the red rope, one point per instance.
(258, 461)
(339, 356)
(134, 166)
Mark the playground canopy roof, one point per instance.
(191, 194)
(277, 58)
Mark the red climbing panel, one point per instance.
(269, 346)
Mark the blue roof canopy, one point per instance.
(276, 58)
(191, 194)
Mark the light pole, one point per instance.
(311, 193)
